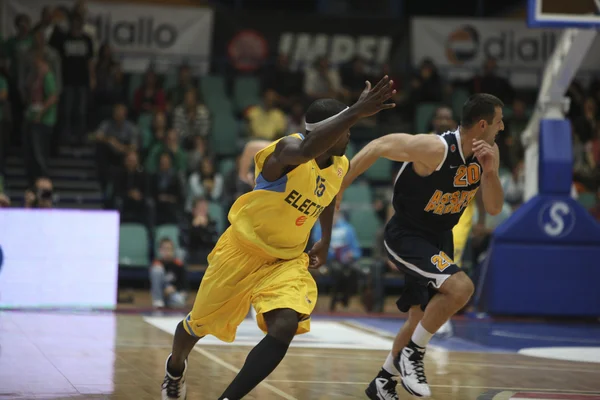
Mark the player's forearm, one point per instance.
(325, 136)
(362, 162)
(326, 222)
(492, 193)
(480, 208)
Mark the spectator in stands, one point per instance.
(353, 78)
(295, 121)
(286, 83)
(197, 154)
(584, 170)
(110, 88)
(168, 191)
(514, 185)
(14, 47)
(191, 119)
(4, 201)
(185, 82)
(595, 210)
(322, 81)
(131, 191)
(427, 85)
(168, 280)
(46, 24)
(199, 233)
(443, 120)
(41, 195)
(509, 141)
(234, 186)
(79, 76)
(149, 98)
(576, 95)
(28, 64)
(585, 125)
(80, 8)
(159, 128)
(41, 116)
(593, 148)
(59, 28)
(491, 83)
(266, 120)
(169, 145)
(113, 139)
(344, 251)
(205, 182)
(4, 134)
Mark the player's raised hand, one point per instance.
(486, 155)
(373, 100)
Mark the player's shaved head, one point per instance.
(322, 109)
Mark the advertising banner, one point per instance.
(247, 40)
(459, 42)
(138, 33)
(58, 258)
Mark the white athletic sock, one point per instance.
(388, 365)
(420, 336)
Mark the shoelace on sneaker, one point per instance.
(172, 386)
(390, 388)
(419, 367)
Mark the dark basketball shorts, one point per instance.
(425, 259)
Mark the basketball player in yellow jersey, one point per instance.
(260, 258)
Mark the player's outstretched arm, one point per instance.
(424, 148)
(247, 158)
(291, 151)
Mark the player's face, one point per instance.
(339, 149)
(497, 125)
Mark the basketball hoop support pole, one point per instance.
(560, 70)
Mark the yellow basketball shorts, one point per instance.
(461, 233)
(237, 278)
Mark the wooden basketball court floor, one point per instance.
(70, 355)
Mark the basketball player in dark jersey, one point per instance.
(439, 176)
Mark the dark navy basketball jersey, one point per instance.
(435, 203)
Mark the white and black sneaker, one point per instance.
(410, 365)
(173, 387)
(383, 387)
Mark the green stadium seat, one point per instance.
(217, 214)
(246, 92)
(133, 246)
(351, 150)
(381, 171)
(226, 166)
(145, 127)
(170, 80)
(214, 93)
(358, 194)
(423, 116)
(135, 81)
(166, 231)
(587, 200)
(367, 225)
(224, 137)
(459, 98)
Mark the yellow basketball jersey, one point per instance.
(276, 217)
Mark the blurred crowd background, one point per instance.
(161, 142)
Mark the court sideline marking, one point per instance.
(235, 370)
(449, 386)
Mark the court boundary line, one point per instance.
(235, 370)
(565, 391)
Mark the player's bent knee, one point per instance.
(282, 324)
(458, 286)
